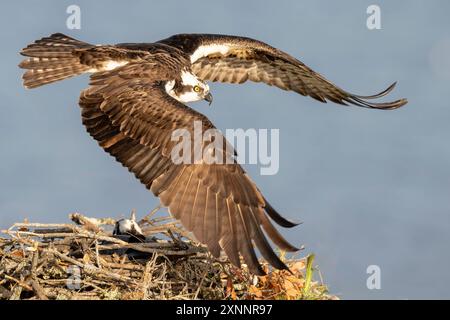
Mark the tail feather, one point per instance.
(52, 59)
(50, 62)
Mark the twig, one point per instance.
(148, 216)
(89, 224)
(90, 268)
(97, 257)
(38, 289)
(40, 225)
(20, 283)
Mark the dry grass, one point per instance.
(82, 260)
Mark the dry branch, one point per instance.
(85, 261)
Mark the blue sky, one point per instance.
(371, 187)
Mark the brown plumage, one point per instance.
(249, 59)
(128, 110)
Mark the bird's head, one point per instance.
(129, 228)
(189, 89)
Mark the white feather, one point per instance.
(189, 79)
(189, 96)
(108, 66)
(169, 89)
(126, 225)
(206, 50)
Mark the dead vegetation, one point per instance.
(82, 260)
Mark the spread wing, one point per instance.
(129, 113)
(237, 59)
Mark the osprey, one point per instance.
(136, 99)
(130, 228)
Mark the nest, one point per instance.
(83, 260)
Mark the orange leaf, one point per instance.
(17, 253)
(255, 291)
(298, 266)
(292, 293)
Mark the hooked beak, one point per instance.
(209, 98)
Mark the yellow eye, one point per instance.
(197, 89)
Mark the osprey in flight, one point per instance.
(136, 99)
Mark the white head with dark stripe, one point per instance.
(129, 227)
(189, 89)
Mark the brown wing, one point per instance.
(238, 59)
(128, 112)
(58, 57)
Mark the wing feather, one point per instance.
(238, 59)
(246, 245)
(128, 112)
(230, 238)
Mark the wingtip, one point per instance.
(278, 218)
(380, 94)
(403, 102)
(362, 101)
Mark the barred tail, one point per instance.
(52, 59)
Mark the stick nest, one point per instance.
(83, 260)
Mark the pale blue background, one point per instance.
(371, 187)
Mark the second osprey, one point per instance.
(136, 100)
